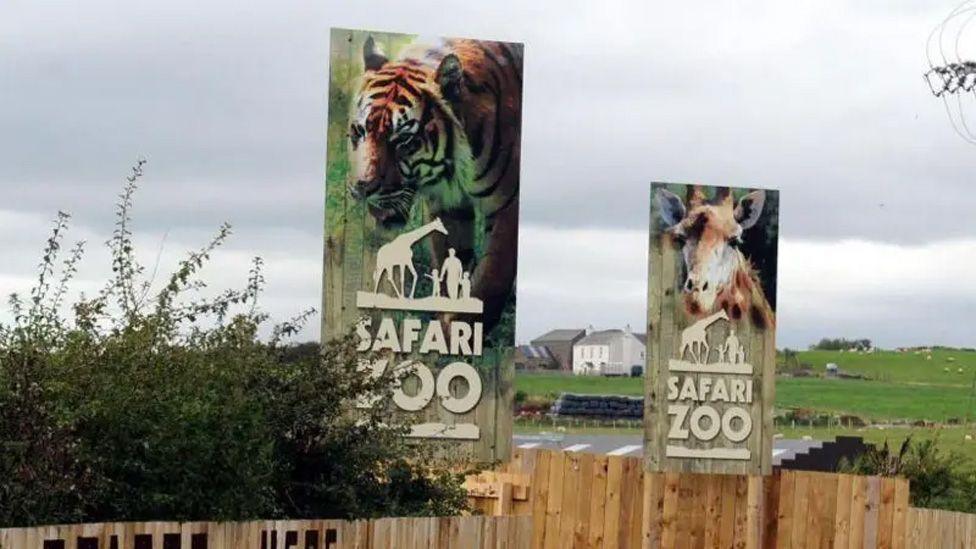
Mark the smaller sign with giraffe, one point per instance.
(711, 327)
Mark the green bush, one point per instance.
(936, 478)
(142, 403)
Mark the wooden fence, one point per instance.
(472, 532)
(586, 500)
(945, 529)
(560, 500)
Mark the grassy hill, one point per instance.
(898, 367)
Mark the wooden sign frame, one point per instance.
(421, 231)
(711, 324)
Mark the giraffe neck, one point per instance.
(417, 234)
(712, 318)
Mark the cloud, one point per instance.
(825, 104)
(228, 102)
(894, 294)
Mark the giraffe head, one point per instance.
(438, 225)
(717, 275)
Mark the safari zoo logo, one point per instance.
(450, 294)
(451, 284)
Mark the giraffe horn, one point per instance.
(723, 196)
(695, 196)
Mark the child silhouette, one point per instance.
(435, 278)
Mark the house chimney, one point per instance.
(589, 329)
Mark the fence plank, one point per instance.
(842, 513)
(570, 498)
(858, 510)
(540, 497)
(669, 531)
(784, 516)
(727, 527)
(828, 509)
(771, 489)
(653, 510)
(872, 500)
(581, 530)
(713, 509)
(800, 499)
(611, 529)
(754, 509)
(557, 461)
(636, 510)
(886, 513)
(598, 503)
(686, 506)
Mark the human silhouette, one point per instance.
(466, 285)
(435, 278)
(733, 348)
(452, 271)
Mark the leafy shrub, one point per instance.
(936, 478)
(145, 403)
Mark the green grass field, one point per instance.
(872, 400)
(897, 367)
(903, 386)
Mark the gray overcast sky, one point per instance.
(823, 100)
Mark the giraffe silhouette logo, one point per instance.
(451, 284)
(729, 356)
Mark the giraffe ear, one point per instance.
(750, 208)
(672, 208)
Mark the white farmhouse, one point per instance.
(608, 353)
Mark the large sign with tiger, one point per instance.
(422, 204)
(711, 326)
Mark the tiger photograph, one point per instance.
(425, 130)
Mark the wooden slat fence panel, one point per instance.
(564, 500)
(789, 509)
(478, 532)
(925, 528)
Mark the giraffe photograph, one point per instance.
(727, 242)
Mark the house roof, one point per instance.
(535, 351)
(604, 337)
(601, 337)
(560, 335)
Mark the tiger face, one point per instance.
(402, 135)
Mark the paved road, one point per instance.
(631, 445)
